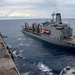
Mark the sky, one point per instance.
(27, 9)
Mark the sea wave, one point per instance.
(21, 51)
(27, 73)
(19, 39)
(27, 44)
(21, 44)
(44, 68)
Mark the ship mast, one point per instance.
(53, 14)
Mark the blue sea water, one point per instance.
(38, 57)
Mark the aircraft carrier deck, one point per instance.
(7, 66)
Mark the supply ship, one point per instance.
(53, 31)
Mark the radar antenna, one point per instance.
(53, 14)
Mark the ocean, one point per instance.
(37, 57)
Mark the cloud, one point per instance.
(53, 4)
(36, 8)
(8, 13)
(69, 2)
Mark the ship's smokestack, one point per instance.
(58, 18)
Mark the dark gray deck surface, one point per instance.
(7, 66)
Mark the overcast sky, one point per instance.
(36, 8)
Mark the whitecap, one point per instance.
(21, 44)
(16, 54)
(19, 38)
(8, 46)
(21, 51)
(27, 44)
(23, 58)
(43, 67)
(20, 32)
(27, 73)
(49, 73)
(24, 64)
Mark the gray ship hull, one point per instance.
(51, 39)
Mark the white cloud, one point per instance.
(22, 1)
(19, 14)
(70, 2)
(36, 8)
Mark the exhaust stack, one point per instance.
(58, 18)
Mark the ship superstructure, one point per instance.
(53, 31)
(58, 29)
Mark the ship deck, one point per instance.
(70, 41)
(7, 66)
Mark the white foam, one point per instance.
(21, 51)
(27, 73)
(21, 44)
(20, 32)
(9, 46)
(19, 38)
(14, 52)
(23, 58)
(24, 64)
(27, 44)
(44, 69)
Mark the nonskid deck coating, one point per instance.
(7, 66)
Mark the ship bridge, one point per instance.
(57, 28)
